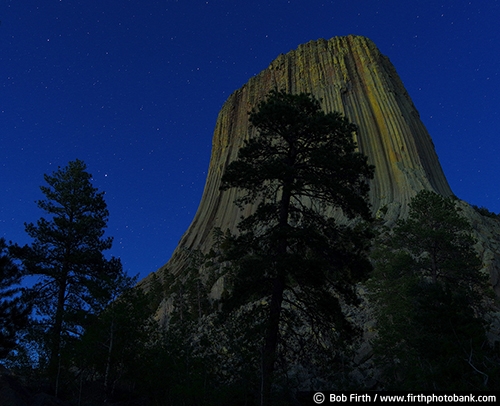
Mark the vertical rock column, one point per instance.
(350, 75)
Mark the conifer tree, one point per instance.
(300, 164)
(13, 312)
(75, 280)
(115, 345)
(430, 295)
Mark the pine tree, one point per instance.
(75, 280)
(301, 163)
(13, 311)
(115, 346)
(430, 295)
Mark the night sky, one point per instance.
(133, 88)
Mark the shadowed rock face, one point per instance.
(349, 75)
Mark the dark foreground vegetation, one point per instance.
(283, 306)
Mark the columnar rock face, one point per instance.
(349, 75)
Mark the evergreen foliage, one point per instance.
(430, 297)
(485, 212)
(75, 280)
(13, 311)
(115, 350)
(300, 165)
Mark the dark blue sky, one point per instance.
(133, 88)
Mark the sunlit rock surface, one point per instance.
(349, 75)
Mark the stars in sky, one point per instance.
(135, 91)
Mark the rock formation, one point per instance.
(349, 75)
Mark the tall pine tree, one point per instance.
(300, 164)
(75, 280)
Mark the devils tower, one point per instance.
(351, 76)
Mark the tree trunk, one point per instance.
(108, 361)
(271, 341)
(272, 333)
(54, 362)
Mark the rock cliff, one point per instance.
(349, 75)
